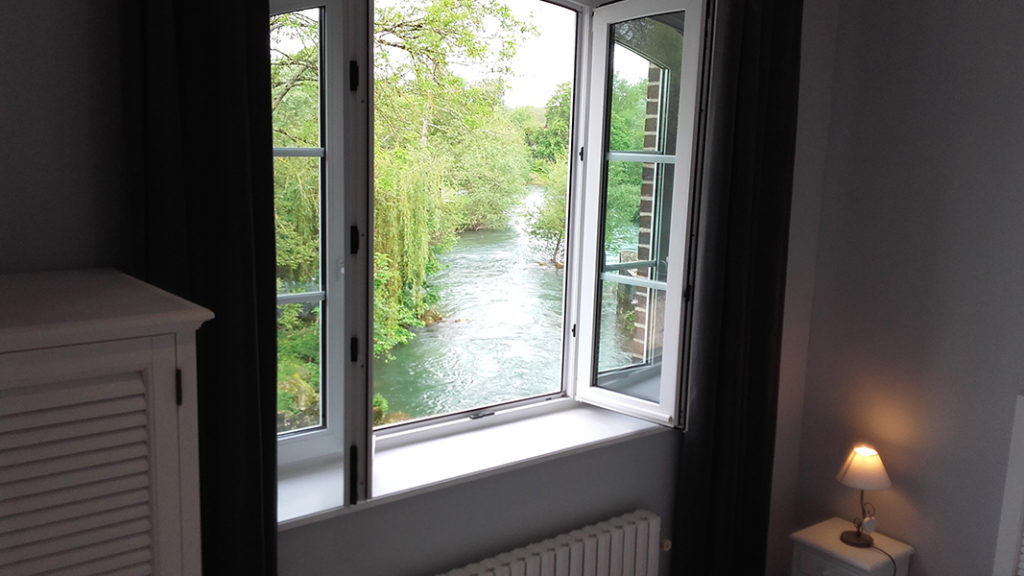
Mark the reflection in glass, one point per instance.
(646, 59)
(643, 89)
(298, 369)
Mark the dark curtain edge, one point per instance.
(725, 463)
(204, 225)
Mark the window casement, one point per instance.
(631, 122)
(316, 119)
(637, 261)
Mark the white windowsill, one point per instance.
(413, 462)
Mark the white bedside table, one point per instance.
(817, 551)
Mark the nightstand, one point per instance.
(817, 551)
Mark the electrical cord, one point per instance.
(891, 559)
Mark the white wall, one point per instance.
(463, 523)
(917, 331)
(63, 196)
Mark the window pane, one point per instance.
(630, 334)
(296, 94)
(472, 119)
(635, 269)
(645, 57)
(297, 224)
(643, 90)
(295, 78)
(298, 367)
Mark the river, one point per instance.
(500, 337)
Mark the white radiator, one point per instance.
(627, 545)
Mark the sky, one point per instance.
(545, 61)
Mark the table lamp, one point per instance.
(863, 470)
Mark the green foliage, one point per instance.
(297, 220)
(548, 222)
(550, 148)
(294, 77)
(380, 409)
(447, 157)
(552, 144)
(625, 133)
(298, 367)
(491, 173)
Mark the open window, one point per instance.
(637, 193)
(451, 248)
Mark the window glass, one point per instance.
(295, 78)
(298, 169)
(472, 120)
(297, 224)
(298, 367)
(642, 118)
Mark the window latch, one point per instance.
(353, 75)
(353, 240)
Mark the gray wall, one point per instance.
(463, 523)
(916, 340)
(816, 66)
(63, 198)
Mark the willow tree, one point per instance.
(446, 156)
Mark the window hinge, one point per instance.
(353, 75)
(177, 386)
(353, 349)
(353, 240)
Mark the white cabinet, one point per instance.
(98, 437)
(818, 551)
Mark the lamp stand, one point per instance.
(857, 537)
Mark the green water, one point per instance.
(500, 337)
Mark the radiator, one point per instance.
(627, 545)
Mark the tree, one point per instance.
(447, 158)
(628, 104)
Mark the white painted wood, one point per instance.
(818, 550)
(1008, 542)
(98, 463)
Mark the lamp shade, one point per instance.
(864, 470)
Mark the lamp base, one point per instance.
(858, 539)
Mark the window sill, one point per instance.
(451, 452)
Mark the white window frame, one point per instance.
(328, 440)
(347, 28)
(668, 409)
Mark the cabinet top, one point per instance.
(824, 537)
(42, 309)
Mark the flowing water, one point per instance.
(500, 336)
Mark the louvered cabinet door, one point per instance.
(89, 480)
